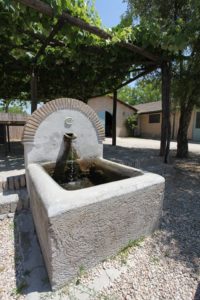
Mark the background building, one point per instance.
(150, 117)
(103, 106)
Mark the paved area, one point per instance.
(165, 265)
(139, 143)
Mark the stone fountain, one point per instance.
(85, 208)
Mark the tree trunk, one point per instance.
(182, 140)
(165, 126)
(6, 105)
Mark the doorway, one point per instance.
(196, 130)
(108, 124)
(106, 120)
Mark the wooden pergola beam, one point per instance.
(46, 42)
(74, 21)
(41, 38)
(147, 71)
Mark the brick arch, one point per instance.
(60, 104)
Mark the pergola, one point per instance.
(149, 61)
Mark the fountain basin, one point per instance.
(80, 228)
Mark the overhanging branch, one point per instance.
(74, 21)
(147, 71)
(41, 38)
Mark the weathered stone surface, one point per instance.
(24, 198)
(8, 203)
(1, 184)
(19, 205)
(46, 142)
(13, 205)
(81, 228)
(22, 181)
(10, 183)
(16, 182)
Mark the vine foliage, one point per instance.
(73, 63)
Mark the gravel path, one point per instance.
(165, 265)
(10, 265)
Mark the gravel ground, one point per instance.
(10, 263)
(165, 265)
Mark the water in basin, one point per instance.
(75, 178)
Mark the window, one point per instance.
(198, 119)
(154, 118)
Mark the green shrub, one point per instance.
(131, 124)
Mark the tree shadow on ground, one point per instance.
(181, 206)
(146, 159)
(14, 160)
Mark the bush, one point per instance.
(131, 124)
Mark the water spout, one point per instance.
(65, 168)
(70, 136)
(71, 169)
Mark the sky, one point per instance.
(110, 11)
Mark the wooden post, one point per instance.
(174, 123)
(8, 137)
(165, 126)
(33, 91)
(4, 137)
(114, 118)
